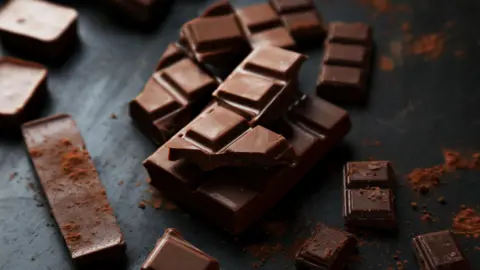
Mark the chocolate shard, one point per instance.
(76, 196)
(25, 86)
(263, 86)
(234, 198)
(218, 8)
(221, 138)
(173, 95)
(327, 248)
(39, 29)
(438, 251)
(173, 252)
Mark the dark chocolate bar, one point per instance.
(221, 138)
(76, 196)
(368, 195)
(173, 96)
(346, 63)
(263, 86)
(439, 251)
(263, 27)
(234, 198)
(219, 8)
(327, 248)
(24, 87)
(173, 252)
(301, 19)
(38, 29)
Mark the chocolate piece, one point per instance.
(24, 85)
(73, 189)
(368, 196)
(234, 198)
(346, 55)
(173, 252)
(349, 33)
(369, 174)
(221, 138)
(172, 97)
(38, 29)
(263, 85)
(288, 6)
(439, 251)
(219, 8)
(327, 249)
(342, 84)
(142, 12)
(276, 37)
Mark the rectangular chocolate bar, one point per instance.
(38, 29)
(346, 63)
(301, 19)
(221, 138)
(234, 198)
(25, 86)
(76, 196)
(264, 27)
(327, 248)
(368, 195)
(439, 251)
(263, 86)
(173, 252)
(173, 95)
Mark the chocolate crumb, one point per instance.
(441, 200)
(113, 116)
(141, 205)
(414, 205)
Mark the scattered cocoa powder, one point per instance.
(414, 205)
(113, 116)
(121, 182)
(276, 228)
(441, 200)
(384, 6)
(141, 205)
(424, 178)
(454, 160)
(427, 217)
(65, 142)
(386, 63)
(406, 26)
(73, 237)
(35, 153)
(459, 54)
(467, 222)
(430, 45)
(263, 252)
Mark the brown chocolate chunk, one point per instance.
(305, 26)
(346, 55)
(341, 84)
(286, 6)
(276, 37)
(350, 33)
(258, 17)
(363, 174)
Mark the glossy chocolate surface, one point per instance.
(439, 251)
(286, 6)
(234, 198)
(276, 37)
(346, 55)
(172, 252)
(258, 17)
(349, 33)
(363, 174)
(76, 196)
(341, 83)
(305, 26)
(327, 248)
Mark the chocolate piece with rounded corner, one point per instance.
(347, 55)
(39, 29)
(173, 252)
(24, 87)
(342, 84)
(71, 184)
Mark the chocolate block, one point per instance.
(221, 138)
(276, 37)
(349, 33)
(234, 198)
(172, 97)
(347, 55)
(76, 196)
(369, 174)
(288, 6)
(140, 12)
(173, 252)
(219, 8)
(327, 249)
(439, 251)
(263, 86)
(342, 84)
(38, 29)
(24, 85)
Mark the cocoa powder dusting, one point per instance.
(430, 45)
(467, 222)
(454, 160)
(35, 153)
(425, 178)
(386, 63)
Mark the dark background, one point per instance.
(421, 107)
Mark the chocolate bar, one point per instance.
(234, 198)
(346, 63)
(439, 250)
(173, 252)
(219, 8)
(368, 195)
(139, 12)
(301, 19)
(24, 88)
(328, 248)
(38, 29)
(221, 138)
(263, 86)
(76, 196)
(264, 27)
(173, 95)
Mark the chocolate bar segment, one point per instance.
(263, 86)
(346, 55)
(327, 248)
(219, 8)
(73, 189)
(342, 84)
(173, 252)
(173, 95)
(368, 195)
(234, 198)
(438, 251)
(38, 29)
(276, 37)
(288, 6)
(24, 87)
(222, 138)
(349, 33)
